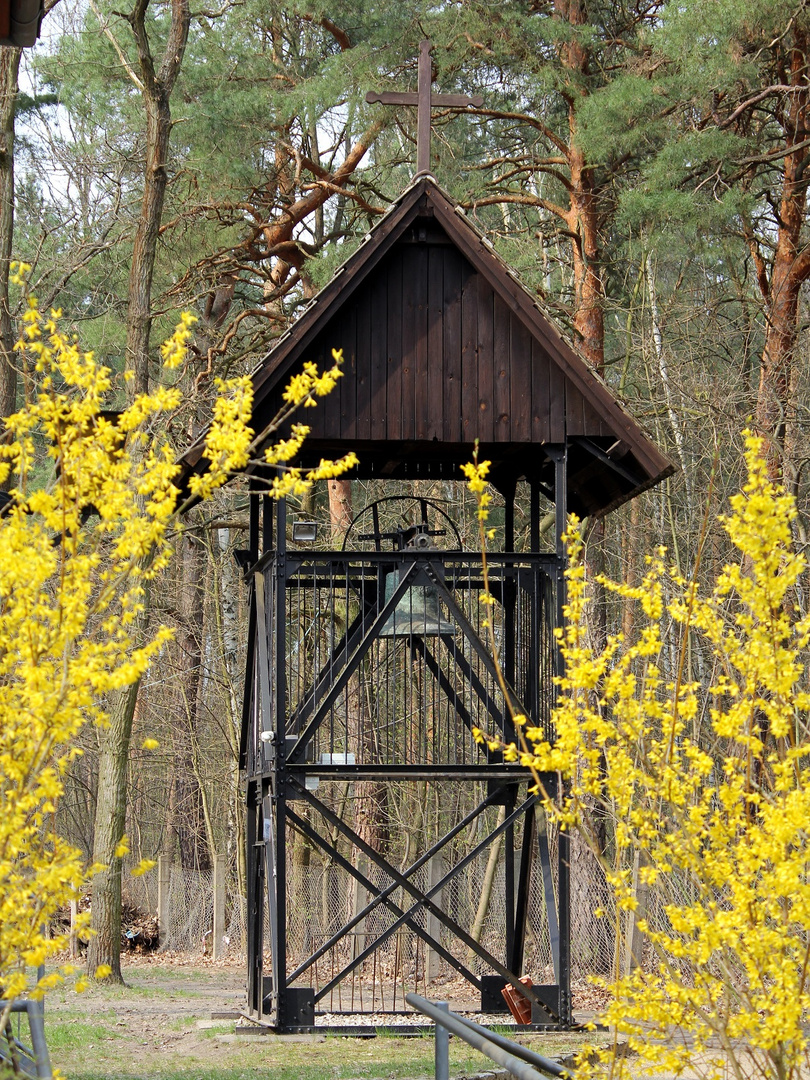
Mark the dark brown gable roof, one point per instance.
(443, 345)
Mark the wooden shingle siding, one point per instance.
(442, 345)
(430, 394)
(392, 347)
(434, 354)
(402, 369)
(481, 418)
(378, 361)
(453, 359)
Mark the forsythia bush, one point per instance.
(75, 555)
(707, 789)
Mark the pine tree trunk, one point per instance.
(589, 291)
(790, 269)
(583, 217)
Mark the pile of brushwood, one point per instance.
(139, 930)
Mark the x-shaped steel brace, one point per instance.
(423, 900)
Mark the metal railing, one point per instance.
(520, 1062)
(35, 1063)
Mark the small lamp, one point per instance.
(304, 532)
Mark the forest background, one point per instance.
(642, 165)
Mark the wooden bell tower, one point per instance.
(367, 665)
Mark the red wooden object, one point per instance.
(519, 1006)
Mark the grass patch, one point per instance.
(223, 1027)
(64, 1036)
(334, 1059)
(148, 1030)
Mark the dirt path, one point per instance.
(160, 1025)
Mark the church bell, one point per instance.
(417, 614)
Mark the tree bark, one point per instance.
(231, 655)
(790, 268)
(589, 291)
(105, 946)
(582, 218)
(9, 70)
(340, 509)
(156, 90)
(194, 835)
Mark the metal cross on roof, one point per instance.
(424, 101)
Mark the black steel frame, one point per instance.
(276, 749)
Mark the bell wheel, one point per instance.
(397, 522)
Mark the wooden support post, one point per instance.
(164, 883)
(634, 941)
(434, 926)
(218, 947)
(359, 901)
(560, 458)
(74, 945)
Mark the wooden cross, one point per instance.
(424, 102)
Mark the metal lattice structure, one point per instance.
(369, 667)
(382, 672)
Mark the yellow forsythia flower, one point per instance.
(76, 555)
(143, 867)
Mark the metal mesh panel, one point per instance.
(406, 696)
(323, 898)
(191, 910)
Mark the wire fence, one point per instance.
(322, 898)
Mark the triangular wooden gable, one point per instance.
(442, 346)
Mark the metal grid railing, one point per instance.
(361, 683)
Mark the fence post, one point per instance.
(74, 944)
(634, 940)
(434, 926)
(164, 883)
(442, 1048)
(218, 948)
(359, 899)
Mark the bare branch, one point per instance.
(531, 121)
(521, 200)
(340, 36)
(110, 36)
(777, 88)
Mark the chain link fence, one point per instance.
(322, 898)
(187, 911)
